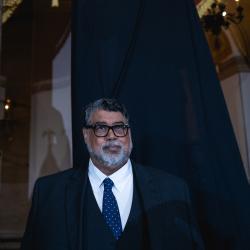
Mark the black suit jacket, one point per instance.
(55, 219)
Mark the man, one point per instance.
(112, 203)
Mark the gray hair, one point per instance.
(106, 104)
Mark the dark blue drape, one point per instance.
(153, 57)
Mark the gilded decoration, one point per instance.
(9, 6)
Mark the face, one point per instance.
(108, 153)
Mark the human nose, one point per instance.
(111, 133)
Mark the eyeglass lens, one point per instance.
(119, 130)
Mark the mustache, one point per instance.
(108, 144)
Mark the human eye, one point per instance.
(119, 126)
(100, 127)
(119, 129)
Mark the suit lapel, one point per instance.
(148, 193)
(150, 197)
(75, 192)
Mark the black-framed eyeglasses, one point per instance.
(102, 130)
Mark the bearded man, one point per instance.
(111, 203)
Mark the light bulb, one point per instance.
(6, 106)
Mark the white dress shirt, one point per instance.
(122, 189)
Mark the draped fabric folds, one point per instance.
(153, 57)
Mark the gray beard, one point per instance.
(110, 160)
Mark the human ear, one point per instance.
(85, 134)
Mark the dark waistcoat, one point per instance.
(98, 236)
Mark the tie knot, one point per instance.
(108, 184)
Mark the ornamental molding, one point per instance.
(9, 6)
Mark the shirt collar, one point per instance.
(119, 177)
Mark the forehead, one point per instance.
(107, 117)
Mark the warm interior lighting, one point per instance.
(55, 3)
(217, 18)
(6, 106)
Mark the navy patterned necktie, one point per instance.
(110, 209)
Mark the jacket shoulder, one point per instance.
(60, 178)
(159, 174)
(166, 183)
(57, 176)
